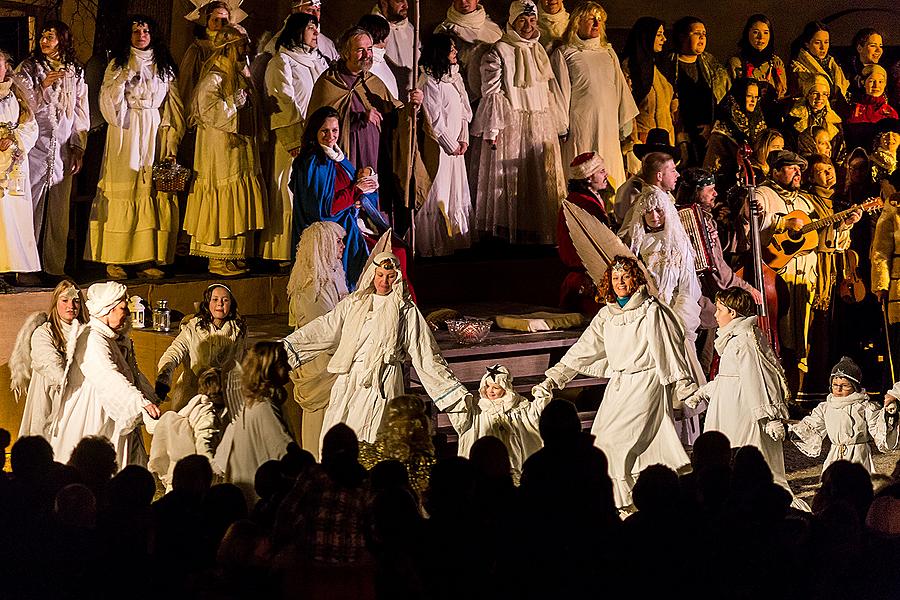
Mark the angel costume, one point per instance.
(597, 104)
(442, 223)
(512, 419)
(552, 26)
(131, 222)
(372, 336)
(63, 119)
(104, 392)
(473, 33)
(290, 76)
(520, 184)
(748, 392)
(317, 283)
(640, 347)
(192, 430)
(18, 241)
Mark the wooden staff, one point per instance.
(887, 337)
(413, 142)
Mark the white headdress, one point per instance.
(521, 7)
(103, 297)
(234, 9)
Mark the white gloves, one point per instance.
(775, 430)
(543, 392)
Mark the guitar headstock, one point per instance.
(872, 204)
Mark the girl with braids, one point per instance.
(131, 223)
(53, 82)
(38, 361)
(214, 337)
(258, 433)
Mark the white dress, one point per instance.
(131, 222)
(290, 76)
(748, 391)
(18, 242)
(358, 331)
(850, 424)
(442, 223)
(63, 120)
(640, 349)
(192, 430)
(598, 104)
(520, 185)
(104, 394)
(48, 369)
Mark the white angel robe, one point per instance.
(290, 76)
(640, 348)
(360, 328)
(850, 423)
(382, 70)
(18, 241)
(513, 420)
(442, 223)
(63, 119)
(104, 394)
(48, 371)
(597, 101)
(520, 185)
(191, 430)
(256, 435)
(132, 223)
(748, 392)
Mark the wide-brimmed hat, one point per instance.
(657, 141)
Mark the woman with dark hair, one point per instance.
(442, 223)
(810, 57)
(757, 60)
(638, 342)
(131, 222)
(289, 80)
(740, 121)
(213, 337)
(652, 92)
(53, 82)
(868, 43)
(326, 187)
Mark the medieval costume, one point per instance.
(399, 52)
(735, 128)
(473, 34)
(552, 26)
(194, 429)
(806, 67)
(866, 110)
(652, 92)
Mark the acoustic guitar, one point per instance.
(794, 242)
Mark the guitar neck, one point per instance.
(823, 223)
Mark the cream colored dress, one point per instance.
(18, 246)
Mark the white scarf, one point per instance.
(378, 54)
(334, 153)
(473, 20)
(555, 25)
(532, 64)
(592, 44)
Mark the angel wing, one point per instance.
(597, 245)
(382, 245)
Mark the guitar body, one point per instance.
(789, 243)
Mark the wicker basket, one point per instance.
(169, 176)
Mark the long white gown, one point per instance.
(640, 348)
(131, 222)
(63, 119)
(598, 104)
(290, 76)
(104, 394)
(748, 391)
(520, 185)
(18, 244)
(48, 369)
(442, 223)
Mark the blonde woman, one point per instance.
(316, 285)
(38, 360)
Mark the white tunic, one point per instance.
(640, 348)
(48, 370)
(442, 223)
(473, 34)
(130, 222)
(104, 394)
(748, 392)
(850, 424)
(598, 104)
(290, 76)
(18, 246)
(382, 70)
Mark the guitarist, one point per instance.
(779, 195)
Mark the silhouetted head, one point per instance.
(656, 490)
(94, 457)
(76, 506)
(132, 487)
(192, 475)
(269, 479)
(711, 448)
(31, 458)
(559, 423)
(490, 458)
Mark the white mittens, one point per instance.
(775, 430)
(543, 392)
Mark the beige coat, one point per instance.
(658, 108)
(886, 258)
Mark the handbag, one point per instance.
(169, 176)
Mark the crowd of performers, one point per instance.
(667, 149)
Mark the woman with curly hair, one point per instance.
(638, 343)
(53, 81)
(131, 222)
(258, 434)
(38, 361)
(214, 337)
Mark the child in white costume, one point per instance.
(849, 419)
(747, 397)
(507, 416)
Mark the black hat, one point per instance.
(849, 370)
(783, 158)
(657, 141)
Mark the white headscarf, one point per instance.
(103, 297)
